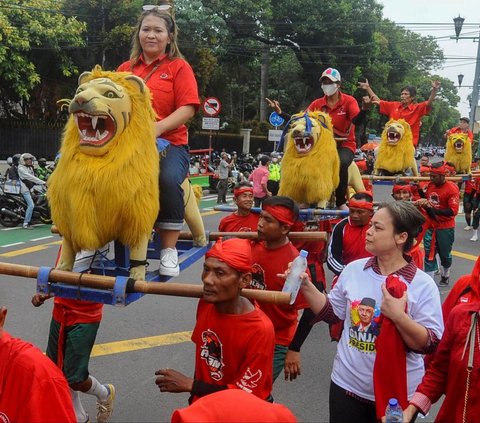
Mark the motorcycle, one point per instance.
(13, 208)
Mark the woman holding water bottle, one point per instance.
(416, 316)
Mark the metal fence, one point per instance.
(42, 139)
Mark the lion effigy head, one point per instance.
(105, 186)
(310, 165)
(459, 152)
(396, 152)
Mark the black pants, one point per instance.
(346, 409)
(257, 202)
(346, 158)
(273, 186)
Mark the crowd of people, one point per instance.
(382, 308)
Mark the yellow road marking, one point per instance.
(464, 255)
(140, 343)
(29, 250)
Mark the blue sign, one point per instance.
(275, 119)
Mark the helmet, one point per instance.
(16, 159)
(27, 156)
(9, 160)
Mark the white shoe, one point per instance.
(169, 262)
(468, 228)
(105, 408)
(474, 238)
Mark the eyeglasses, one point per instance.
(154, 6)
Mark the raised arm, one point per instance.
(433, 94)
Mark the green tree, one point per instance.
(34, 34)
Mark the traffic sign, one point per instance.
(274, 135)
(212, 106)
(211, 123)
(275, 119)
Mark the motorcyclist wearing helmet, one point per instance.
(42, 171)
(28, 180)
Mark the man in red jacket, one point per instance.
(32, 388)
(441, 204)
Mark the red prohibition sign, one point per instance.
(212, 106)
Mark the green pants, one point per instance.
(79, 341)
(443, 247)
(279, 360)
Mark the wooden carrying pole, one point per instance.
(213, 236)
(293, 236)
(409, 178)
(157, 288)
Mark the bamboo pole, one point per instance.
(157, 288)
(410, 178)
(293, 236)
(213, 236)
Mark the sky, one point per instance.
(461, 56)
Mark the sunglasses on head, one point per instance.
(154, 6)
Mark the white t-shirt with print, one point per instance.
(353, 364)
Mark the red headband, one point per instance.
(281, 213)
(241, 190)
(360, 204)
(438, 170)
(398, 188)
(235, 252)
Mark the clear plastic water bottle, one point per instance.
(393, 412)
(293, 281)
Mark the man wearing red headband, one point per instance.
(402, 191)
(271, 255)
(233, 337)
(242, 220)
(347, 242)
(441, 204)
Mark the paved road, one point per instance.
(152, 333)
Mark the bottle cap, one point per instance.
(392, 402)
(303, 253)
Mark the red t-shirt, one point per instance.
(413, 114)
(236, 223)
(342, 114)
(32, 388)
(71, 312)
(172, 85)
(269, 263)
(458, 130)
(445, 196)
(234, 349)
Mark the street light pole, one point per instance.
(458, 21)
(476, 81)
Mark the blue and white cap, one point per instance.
(332, 74)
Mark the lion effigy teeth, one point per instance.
(97, 135)
(94, 122)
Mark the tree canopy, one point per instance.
(241, 50)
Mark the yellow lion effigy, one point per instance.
(396, 153)
(310, 165)
(459, 152)
(105, 186)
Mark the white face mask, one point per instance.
(329, 89)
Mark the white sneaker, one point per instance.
(169, 262)
(105, 408)
(474, 238)
(468, 228)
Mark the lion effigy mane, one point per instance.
(310, 165)
(396, 152)
(105, 186)
(459, 152)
